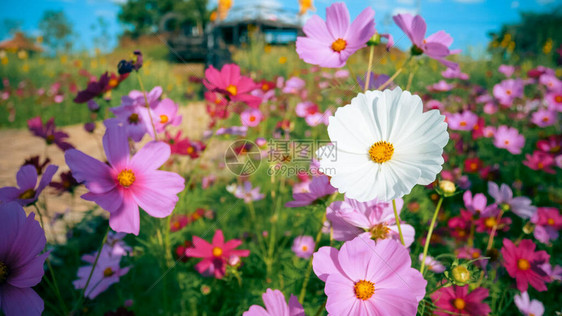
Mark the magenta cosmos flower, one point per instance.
(554, 100)
(215, 255)
(251, 117)
(435, 46)
(524, 264)
(548, 222)
(544, 118)
(106, 272)
(368, 278)
(164, 114)
(507, 90)
(477, 204)
(275, 305)
(331, 43)
(49, 132)
(540, 161)
(432, 264)
(464, 121)
(503, 195)
(246, 192)
(229, 82)
(127, 183)
(374, 218)
(319, 187)
(509, 138)
(456, 300)
(528, 307)
(27, 191)
(303, 246)
(21, 265)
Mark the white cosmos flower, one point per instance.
(385, 145)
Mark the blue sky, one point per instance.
(468, 21)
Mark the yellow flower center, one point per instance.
(217, 252)
(523, 264)
(126, 178)
(558, 99)
(113, 82)
(508, 92)
(27, 194)
(265, 87)
(252, 118)
(490, 222)
(540, 165)
(232, 89)
(108, 272)
(381, 151)
(304, 248)
(475, 255)
(339, 45)
(550, 221)
(163, 119)
(364, 289)
(462, 123)
(459, 303)
(379, 231)
(506, 142)
(134, 118)
(190, 150)
(3, 272)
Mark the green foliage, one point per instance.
(57, 30)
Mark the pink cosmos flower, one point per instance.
(247, 193)
(331, 43)
(432, 264)
(528, 307)
(374, 218)
(251, 117)
(548, 222)
(507, 70)
(127, 183)
(509, 138)
(451, 73)
(106, 272)
(368, 278)
(319, 188)
(440, 86)
(553, 273)
(464, 121)
(275, 304)
(134, 119)
(507, 90)
(303, 246)
(294, 85)
(136, 98)
(27, 191)
(471, 253)
(487, 222)
(550, 82)
(164, 114)
(523, 264)
(504, 198)
(215, 255)
(540, 161)
(457, 301)
(544, 118)
(49, 132)
(306, 108)
(477, 204)
(21, 265)
(229, 82)
(318, 118)
(435, 46)
(554, 100)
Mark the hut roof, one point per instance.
(20, 42)
(265, 12)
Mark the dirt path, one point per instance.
(16, 145)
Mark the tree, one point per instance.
(10, 27)
(57, 30)
(144, 16)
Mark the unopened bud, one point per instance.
(461, 275)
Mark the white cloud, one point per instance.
(400, 10)
(469, 1)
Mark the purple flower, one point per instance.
(435, 46)
(507, 70)
(274, 301)
(477, 204)
(294, 85)
(507, 90)
(509, 138)
(548, 222)
(319, 188)
(368, 278)
(331, 43)
(544, 118)
(303, 246)
(375, 219)
(504, 198)
(375, 81)
(247, 193)
(27, 191)
(528, 307)
(451, 73)
(21, 265)
(464, 121)
(94, 89)
(432, 264)
(106, 273)
(48, 132)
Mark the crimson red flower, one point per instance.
(180, 250)
(460, 225)
(472, 165)
(94, 89)
(457, 301)
(230, 83)
(524, 264)
(178, 222)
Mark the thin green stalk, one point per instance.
(370, 65)
(81, 298)
(429, 233)
(309, 269)
(397, 218)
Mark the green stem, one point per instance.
(494, 229)
(368, 76)
(429, 233)
(309, 269)
(83, 292)
(397, 218)
(147, 106)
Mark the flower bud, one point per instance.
(460, 274)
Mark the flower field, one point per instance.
(336, 176)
